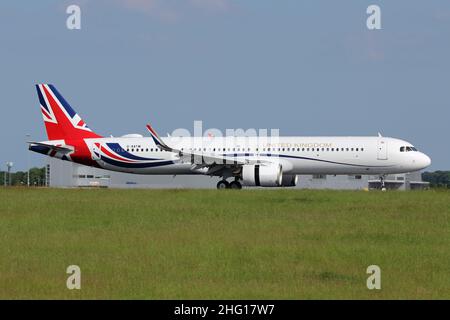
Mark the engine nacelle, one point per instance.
(289, 180)
(261, 175)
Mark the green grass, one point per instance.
(208, 244)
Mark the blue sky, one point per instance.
(306, 67)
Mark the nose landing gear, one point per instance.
(383, 185)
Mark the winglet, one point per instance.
(157, 139)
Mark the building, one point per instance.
(405, 181)
(66, 174)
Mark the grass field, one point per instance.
(250, 244)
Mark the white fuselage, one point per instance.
(297, 155)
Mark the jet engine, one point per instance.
(289, 180)
(262, 175)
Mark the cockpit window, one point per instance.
(407, 149)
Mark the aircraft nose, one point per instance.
(423, 161)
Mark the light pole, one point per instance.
(9, 166)
(28, 161)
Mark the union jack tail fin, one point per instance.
(61, 121)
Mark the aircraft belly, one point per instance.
(324, 166)
(161, 168)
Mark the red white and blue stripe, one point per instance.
(114, 154)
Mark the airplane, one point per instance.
(245, 161)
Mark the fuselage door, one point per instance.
(382, 148)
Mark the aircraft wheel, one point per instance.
(223, 184)
(235, 185)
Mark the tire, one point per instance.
(223, 184)
(236, 185)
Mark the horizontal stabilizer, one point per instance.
(51, 147)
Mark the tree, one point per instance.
(19, 178)
(437, 178)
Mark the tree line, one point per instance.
(437, 179)
(19, 178)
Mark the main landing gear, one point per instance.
(235, 185)
(224, 184)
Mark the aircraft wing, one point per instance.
(197, 158)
